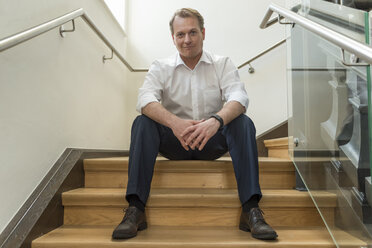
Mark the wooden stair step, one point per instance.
(277, 142)
(112, 172)
(277, 148)
(193, 207)
(195, 198)
(195, 237)
(221, 164)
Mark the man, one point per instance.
(184, 117)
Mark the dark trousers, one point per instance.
(148, 138)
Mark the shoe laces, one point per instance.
(257, 214)
(128, 212)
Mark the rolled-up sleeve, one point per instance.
(152, 88)
(232, 87)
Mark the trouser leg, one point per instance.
(241, 141)
(239, 138)
(144, 148)
(148, 138)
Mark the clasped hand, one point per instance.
(195, 134)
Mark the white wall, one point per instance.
(56, 93)
(117, 8)
(267, 90)
(232, 29)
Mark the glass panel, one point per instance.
(329, 121)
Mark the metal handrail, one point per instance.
(360, 50)
(30, 33)
(259, 55)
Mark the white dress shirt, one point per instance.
(192, 94)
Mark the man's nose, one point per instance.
(187, 38)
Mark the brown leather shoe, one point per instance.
(134, 220)
(254, 222)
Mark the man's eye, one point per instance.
(193, 33)
(180, 35)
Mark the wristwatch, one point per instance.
(219, 119)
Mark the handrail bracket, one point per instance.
(62, 30)
(284, 23)
(108, 58)
(250, 69)
(354, 58)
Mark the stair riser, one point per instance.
(268, 180)
(278, 152)
(86, 215)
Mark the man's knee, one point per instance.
(242, 122)
(142, 121)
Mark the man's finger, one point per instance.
(197, 121)
(197, 141)
(185, 137)
(188, 130)
(183, 144)
(185, 147)
(203, 143)
(192, 137)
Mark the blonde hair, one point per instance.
(184, 13)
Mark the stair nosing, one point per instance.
(188, 197)
(314, 237)
(200, 166)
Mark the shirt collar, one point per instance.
(204, 58)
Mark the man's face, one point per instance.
(188, 37)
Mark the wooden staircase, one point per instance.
(192, 204)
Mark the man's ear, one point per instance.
(173, 39)
(203, 32)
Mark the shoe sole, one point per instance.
(266, 236)
(244, 228)
(141, 226)
(269, 236)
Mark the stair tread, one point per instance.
(156, 236)
(196, 197)
(277, 142)
(163, 164)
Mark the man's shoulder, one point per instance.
(215, 58)
(166, 62)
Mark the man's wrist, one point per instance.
(219, 119)
(171, 121)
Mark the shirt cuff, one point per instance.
(239, 97)
(146, 99)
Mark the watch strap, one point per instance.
(219, 119)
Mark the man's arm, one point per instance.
(230, 111)
(158, 113)
(200, 134)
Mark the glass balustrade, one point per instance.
(329, 119)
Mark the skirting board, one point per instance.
(66, 174)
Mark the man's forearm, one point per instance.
(158, 113)
(230, 111)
